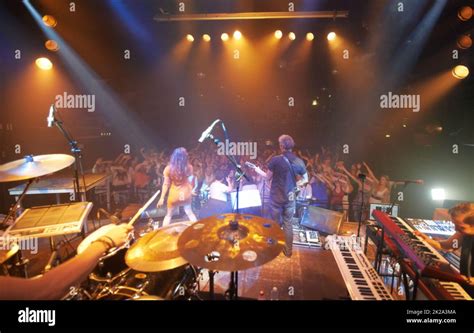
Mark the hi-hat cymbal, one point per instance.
(34, 166)
(158, 250)
(218, 244)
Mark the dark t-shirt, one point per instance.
(283, 181)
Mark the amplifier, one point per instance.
(321, 219)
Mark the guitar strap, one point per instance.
(291, 169)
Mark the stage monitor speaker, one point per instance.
(323, 220)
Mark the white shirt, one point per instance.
(218, 191)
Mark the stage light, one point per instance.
(44, 64)
(438, 194)
(237, 35)
(460, 72)
(190, 38)
(309, 36)
(404, 125)
(49, 21)
(278, 34)
(464, 42)
(206, 38)
(465, 13)
(292, 36)
(387, 135)
(225, 36)
(315, 102)
(51, 45)
(331, 36)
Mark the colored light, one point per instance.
(309, 36)
(332, 36)
(237, 35)
(465, 13)
(464, 42)
(51, 45)
(278, 34)
(460, 72)
(206, 38)
(190, 38)
(50, 21)
(44, 64)
(225, 36)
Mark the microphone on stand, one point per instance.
(50, 119)
(208, 131)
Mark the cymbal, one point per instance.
(34, 166)
(216, 244)
(158, 250)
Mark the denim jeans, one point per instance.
(283, 215)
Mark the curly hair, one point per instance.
(463, 208)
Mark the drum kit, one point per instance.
(29, 168)
(165, 263)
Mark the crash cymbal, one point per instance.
(7, 254)
(216, 244)
(34, 166)
(158, 250)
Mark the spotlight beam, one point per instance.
(253, 16)
(107, 100)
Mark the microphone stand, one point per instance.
(77, 161)
(362, 178)
(232, 292)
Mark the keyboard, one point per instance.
(361, 279)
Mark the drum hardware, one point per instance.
(29, 168)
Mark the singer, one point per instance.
(178, 179)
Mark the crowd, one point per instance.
(332, 185)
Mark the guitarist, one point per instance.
(287, 173)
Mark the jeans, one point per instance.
(283, 215)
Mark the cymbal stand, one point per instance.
(17, 205)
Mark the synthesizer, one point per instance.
(427, 261)
(361, 279)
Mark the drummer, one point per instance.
(56, 283)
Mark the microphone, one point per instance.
(51, 119)
(208, 131)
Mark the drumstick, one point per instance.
(143, 208)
